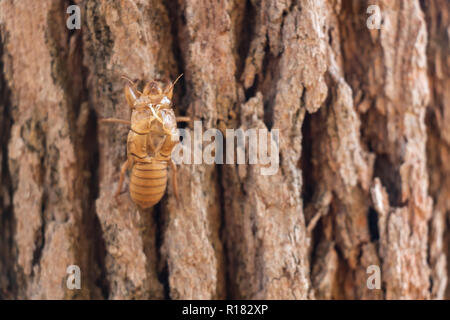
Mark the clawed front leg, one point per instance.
(114, 120)
(155, 115)
(183, 119)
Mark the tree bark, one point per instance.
(364, 176)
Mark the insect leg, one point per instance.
(123, 169)
(156, 116)
(174, 179)
(113, 120)
(183, 119)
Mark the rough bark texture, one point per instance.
(364, 175)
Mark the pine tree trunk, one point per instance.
(364, 176)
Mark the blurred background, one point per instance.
(358, 209)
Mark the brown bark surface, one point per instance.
(364, 176)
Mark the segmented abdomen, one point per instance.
(148, 183)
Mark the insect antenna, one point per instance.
(173, 83)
